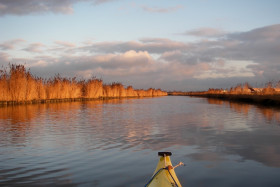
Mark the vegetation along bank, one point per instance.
(18, 85)
(269, 95)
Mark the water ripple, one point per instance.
(114, 143)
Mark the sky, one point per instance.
(188, 45)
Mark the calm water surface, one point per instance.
(115, 142)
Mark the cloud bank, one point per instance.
(11, 44)
(206, 32)
(222, 61)
(24, 7)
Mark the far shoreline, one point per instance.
(264, 100)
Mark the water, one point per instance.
(115, 142)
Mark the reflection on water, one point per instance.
(271, 114)
(115, 142)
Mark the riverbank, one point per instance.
(19, 86)
(267, 100)
(43, 101)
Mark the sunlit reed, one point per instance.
(18, 85)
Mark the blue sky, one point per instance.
(168, 44)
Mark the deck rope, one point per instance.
(172, 178)
(166, 168)
(154, 176)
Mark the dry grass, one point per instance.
(19, 85)
(92, 88)
(240, 89)
(268, 95)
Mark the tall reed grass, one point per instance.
(247, 89)
(240, 89)
(19, 85)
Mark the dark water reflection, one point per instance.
(115, 142)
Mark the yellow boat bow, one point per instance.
(164, 175)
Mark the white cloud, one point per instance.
(9, 45)
(25, 7)
(206, 32)
(160, 62)
(269, 33)
(227, 69)
(35, 48)
(152, 45)
(65, 44)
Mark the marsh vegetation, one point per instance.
(18, 85)
(269, 95)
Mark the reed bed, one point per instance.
(269, 95)
(240, 89)
(18, 85)
(247, 89)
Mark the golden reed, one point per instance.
(19, 85)
(240, 89)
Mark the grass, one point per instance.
(269, 95)
(18, 85)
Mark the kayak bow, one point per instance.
(164, 175)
